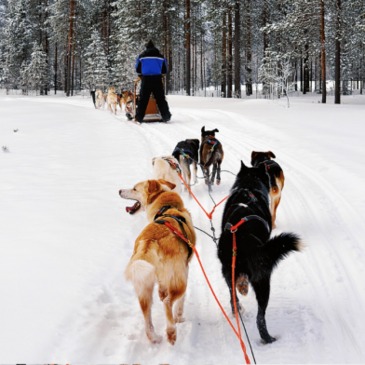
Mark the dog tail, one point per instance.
(142, 274)
(278, 247)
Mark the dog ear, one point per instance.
(243, 166)
(216, 130)
(153, 185)
(271, 154)
(203, 129)
(253, 155)
(169, 184)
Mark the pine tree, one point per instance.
(96, 73)
(35, 75)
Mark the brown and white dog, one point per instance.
(126, 97)
(211, 154)
(277, 178)
(112, 100)
(159, 255)
(100, 99)
(167, 168)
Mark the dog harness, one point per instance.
(251, 198)
(185, 152)
(212, 141)
(173, 164)
(181, 220)
(267, 164)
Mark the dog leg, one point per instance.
(262, 291)
(195, 172)
(242, 284)
(142, 275)
(206, 175)
(171, 326)
(146, 309)
(179, 310)
(218, 174)
(214, 172)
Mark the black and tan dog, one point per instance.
(187, 153)
(257, 254)
(159, 255)
(276, 178)
(211, 154)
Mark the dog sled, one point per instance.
(152, 113)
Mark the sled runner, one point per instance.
(152, 112)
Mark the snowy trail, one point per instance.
(75, 229)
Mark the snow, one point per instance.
(65, 237)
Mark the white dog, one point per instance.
(100, 99)
(167, 168)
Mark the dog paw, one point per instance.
(179, 319)
(155, 338)
(171, 335)
(269, 339)
(242, 284)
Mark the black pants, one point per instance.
(154, 85)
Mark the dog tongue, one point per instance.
(133, 208)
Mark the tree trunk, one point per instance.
(224, 57)
(249, 51)
(265, 20)
(230, 55)
(323, 55)
(55, 68)
(306, 69)
(167, 43)
(106, 26)
(70, 42)
(237, 50)
(187, 47)
(338, 54)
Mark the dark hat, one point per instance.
(150, 44)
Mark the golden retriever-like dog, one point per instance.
(112, 100)
(160, 255)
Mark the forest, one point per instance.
(225, 48)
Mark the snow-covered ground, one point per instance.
(65, 237)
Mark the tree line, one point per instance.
(225, 47)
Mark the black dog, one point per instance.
(257, 254)
(211, 154)
(187, 153)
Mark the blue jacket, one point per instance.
(151, 63)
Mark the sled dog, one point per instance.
(126, 98)
(112, 100)
(211, 154)
(257, 254)
(159, 255)
(100, 99)
(187, 153)
(167, 168)
(276, 178)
